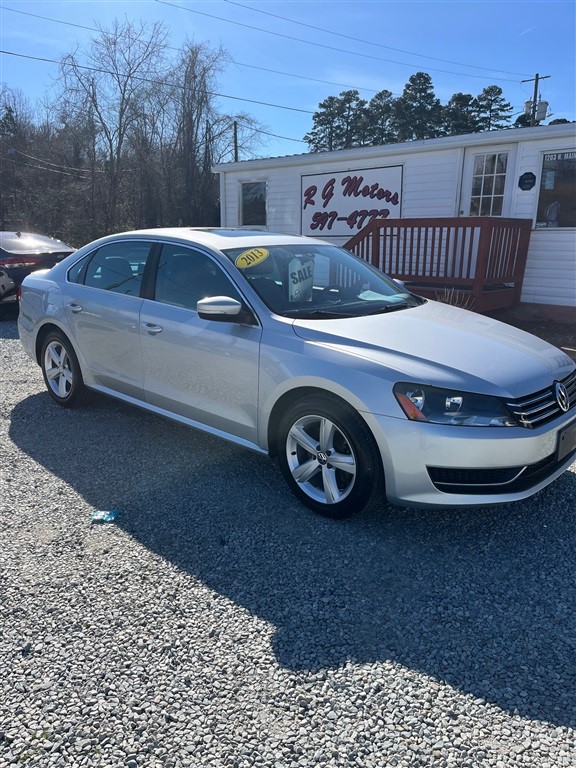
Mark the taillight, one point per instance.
(21, 261)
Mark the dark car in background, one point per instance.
(22, 253)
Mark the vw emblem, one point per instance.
(322, 458)
(562, 397)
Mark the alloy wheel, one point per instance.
(320, 459)
(58, 369)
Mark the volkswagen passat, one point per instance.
(296, 348)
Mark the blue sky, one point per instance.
(289, 56)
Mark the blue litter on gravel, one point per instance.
(104, 515)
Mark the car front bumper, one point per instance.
(444, 466)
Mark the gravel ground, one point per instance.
(218, 623)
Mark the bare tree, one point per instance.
(121, 68)
(198, 69)
(129, 142)
(16, 126)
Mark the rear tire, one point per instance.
(329, 457)
(61, 371)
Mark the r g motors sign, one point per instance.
(340, 204)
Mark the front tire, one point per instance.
(61, 371)
(328, 457)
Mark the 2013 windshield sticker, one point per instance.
(252, 257)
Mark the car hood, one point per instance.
(446, 346)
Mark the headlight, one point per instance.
(448, 406)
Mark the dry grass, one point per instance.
(456, 298)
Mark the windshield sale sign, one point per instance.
(341, 204)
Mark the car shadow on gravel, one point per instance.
(8, 329)
(483, 599)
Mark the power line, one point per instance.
(54, 165)
(327, 47)
(47, 18)
(368, 42)
(85, 173)
(253, 66)
(303, 77)
(172, 85)
(274, 135)
(52, 170)
(172, 48)
(159, 82)
(299, 23)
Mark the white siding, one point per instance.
(431, 181)
(550, 276)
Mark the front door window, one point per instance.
(185, 276)
(488, 181)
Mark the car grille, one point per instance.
(541, 407)
(500, 480)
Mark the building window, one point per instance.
(253, 203)
(557, 199)
(488, 184)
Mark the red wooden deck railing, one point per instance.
(481, 259)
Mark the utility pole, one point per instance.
(235, 141)
(536, 79)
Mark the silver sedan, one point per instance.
(293, 347)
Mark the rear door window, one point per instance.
(117, 267)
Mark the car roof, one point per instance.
(221, 238)
(27, 242)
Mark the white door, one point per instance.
(487, 181)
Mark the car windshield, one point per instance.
(318, 281)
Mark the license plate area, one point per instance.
(566, 441)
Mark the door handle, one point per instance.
(75, 308)
(152, 329)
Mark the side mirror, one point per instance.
(224, 309)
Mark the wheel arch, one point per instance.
(292, 396)
(369, 484)
(51, 327)
(44, 331)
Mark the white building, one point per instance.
(527, 173)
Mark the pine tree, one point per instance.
(493, 111)
(522, 121)
(339, 123)
(379, 119)
(460, 115)
(417, 113)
